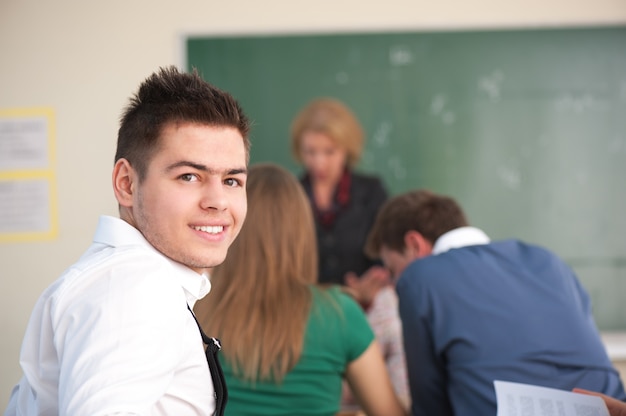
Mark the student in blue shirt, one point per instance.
(474, 311)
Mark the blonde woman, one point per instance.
(327, 140)
(288, 342)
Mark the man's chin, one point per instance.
(214, 261)
(203, 266)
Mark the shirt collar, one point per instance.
(460, 237)
(196, 285)
(116, 232)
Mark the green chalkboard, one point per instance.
(527, 129)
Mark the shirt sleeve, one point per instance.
(119, 339)
(426, 369)
(358, 334)
(385, 321)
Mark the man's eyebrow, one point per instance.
(204, 168)
(185, 163)
(238, 171)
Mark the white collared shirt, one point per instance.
(460, 237)
(113, 335)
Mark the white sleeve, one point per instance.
(119, 339)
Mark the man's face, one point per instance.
(192, 202)
(396, 261)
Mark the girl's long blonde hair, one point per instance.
(260, 297)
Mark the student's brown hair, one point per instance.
(333, 118)
(170, 96)
(260, 297)
(430, 214)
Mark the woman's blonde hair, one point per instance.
(333, 118)
(260, 297)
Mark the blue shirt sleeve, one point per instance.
(426, 369)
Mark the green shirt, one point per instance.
(337, 333)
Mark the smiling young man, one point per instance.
(474, 310)
(113, 334)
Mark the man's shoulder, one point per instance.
(506, 247)
(429, 270)
(456, 263)
(122, 265)
(515, 249)
(458, 259)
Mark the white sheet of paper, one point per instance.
(24, 143)
(516, 399)
(25, 206)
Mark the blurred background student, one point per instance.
(327, 140)
(287, 341)
(475, 310)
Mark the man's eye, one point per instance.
(232, 182)
(188, 177)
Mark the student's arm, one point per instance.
(426, 369)
(616, 407)
(391, 343)
(371, 385)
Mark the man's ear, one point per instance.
(417, 245)
(124, 182)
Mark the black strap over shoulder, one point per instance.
(219, 382)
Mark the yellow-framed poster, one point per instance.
(28, 197)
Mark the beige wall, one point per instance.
(83, 59)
